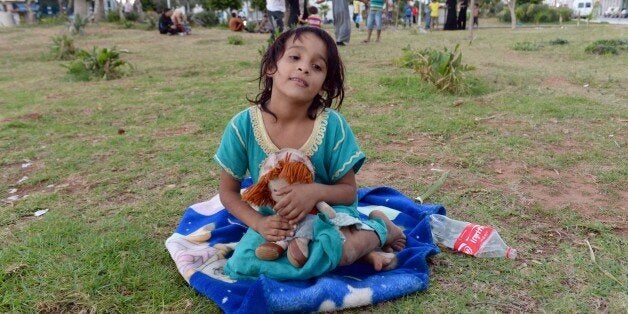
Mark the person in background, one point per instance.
(235, 23)
(128, 8)
(428, 14)
(180, 22)
(434, 7)
(415, 14)
(476, 15)
(407, 19)
(374, 19)
(165, 23)
(276, 10)
(342, 21)
(356, 12)
(313, 20)
(264, 26)
(462, 14)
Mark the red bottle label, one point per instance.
(472, 238)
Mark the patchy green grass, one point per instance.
(536, 149)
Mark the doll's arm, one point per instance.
(272, 228)
(326, 209)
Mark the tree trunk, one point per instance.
(513, 16)
(99, 10)
(30, 15)
(120, 8)
(137, 7)
(81, 8)
(472, 6)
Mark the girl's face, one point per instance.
(301, 70)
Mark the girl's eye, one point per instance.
(317, 67)
(294, 57)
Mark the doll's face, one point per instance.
(274, 186)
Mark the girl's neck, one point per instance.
(288, 112)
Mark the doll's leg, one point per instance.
(298, 252)
(270, 251)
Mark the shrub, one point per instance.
(131, 16)
(99, 64)
(113, 16)
(251, 26)
(535, 13)
(62, 48)
(443, 69)
(526, 46)
(206, 18)
(607, 46)
(77, 24)
(235, 40)
(558, 41)
(127, 24)
(151, 21)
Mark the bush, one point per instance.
(76, 25)
(235, 40)
(535, 13)
(607, 46)
(443, 69)
(99, 64)
(131, 16)
(526, 46)
(62, 48)
(206, 18)
(558, 41)
(113, 16)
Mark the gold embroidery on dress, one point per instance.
(310, 146)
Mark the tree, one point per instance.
(258, 4)
(99, 10)
(513, 16)
(80, 8)
(223, 4)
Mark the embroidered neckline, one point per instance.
(309, 147)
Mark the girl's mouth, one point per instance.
(299, 81)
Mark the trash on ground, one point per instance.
(40, 212)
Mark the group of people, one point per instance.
(173, 22)
(453, 22)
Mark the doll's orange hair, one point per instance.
(291, 171)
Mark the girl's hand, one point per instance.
(274, 228)
(297, 201)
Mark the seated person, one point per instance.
(265, 25)
(235, 23)
(180, 22)
(166, 26)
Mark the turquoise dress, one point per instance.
(333, 149)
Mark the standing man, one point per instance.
(374, 19)
(276, 10)
(342, 21)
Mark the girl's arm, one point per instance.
(299, 199)
(272, 228)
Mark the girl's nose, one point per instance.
(305, 71)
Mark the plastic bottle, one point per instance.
(468, 238)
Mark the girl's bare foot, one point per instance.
(396, 240)
(381, 260)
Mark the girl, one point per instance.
(301, 75)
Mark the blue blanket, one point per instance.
(208, 234)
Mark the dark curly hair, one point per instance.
(333, 86)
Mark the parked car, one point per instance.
(582, 8)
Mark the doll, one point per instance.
(287, 166)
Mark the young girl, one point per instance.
(301, 75)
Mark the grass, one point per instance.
(537, 149)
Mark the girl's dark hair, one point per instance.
(333, 86)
